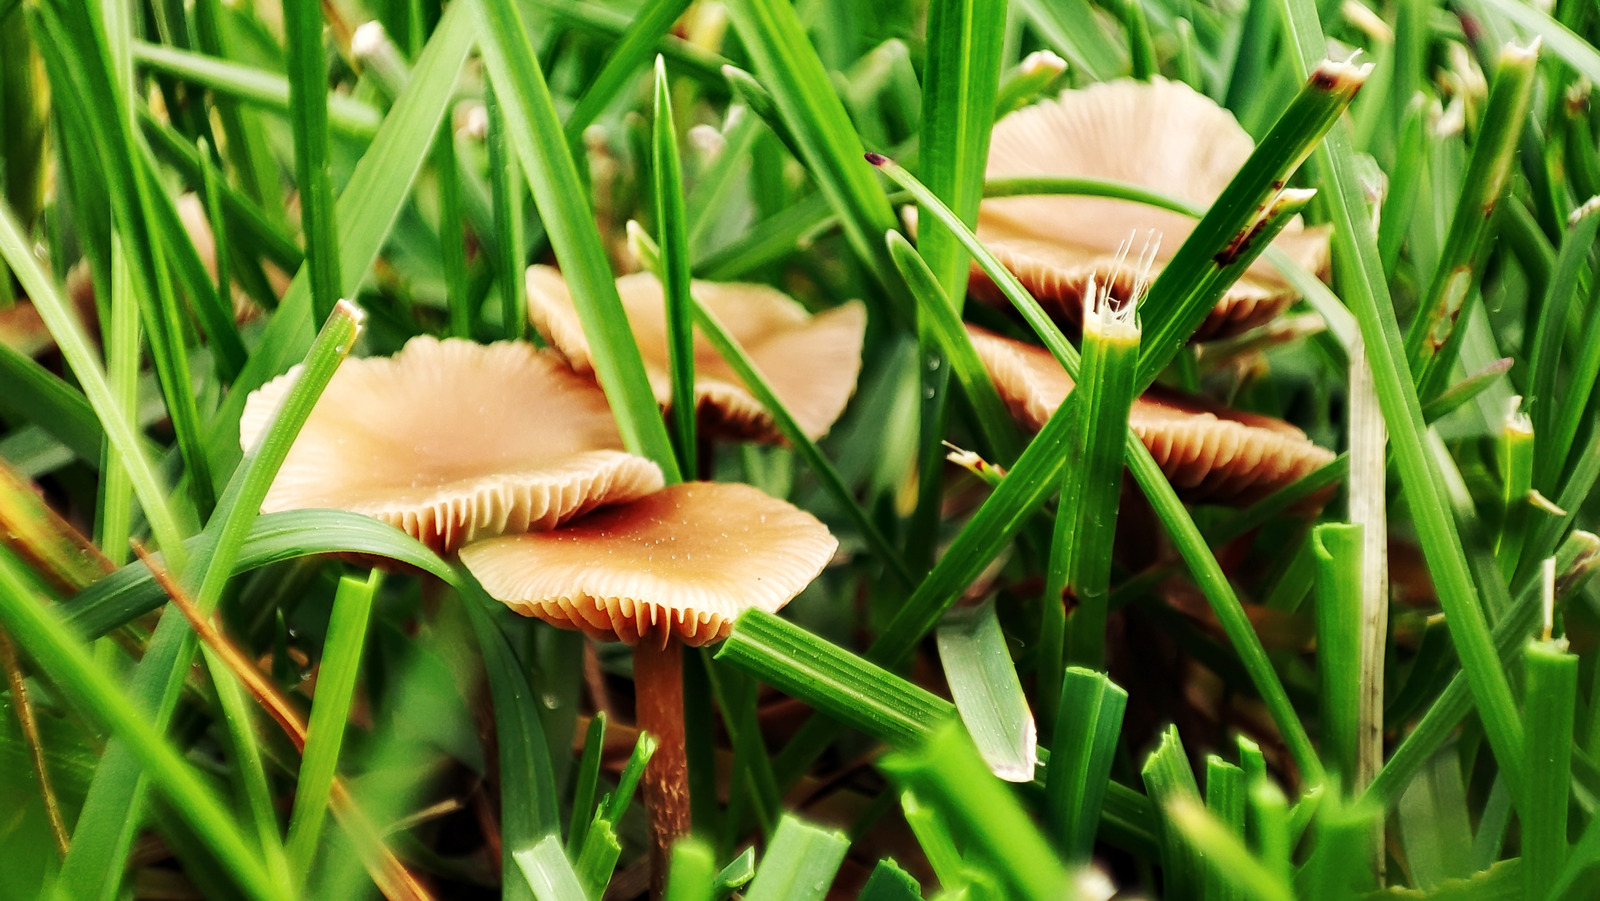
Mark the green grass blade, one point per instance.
(507, 191)
(546, 160)
(529, 814)
(1072, 29)
(547, 873)
(131, 591)
(1338, 549)
(583, 808)
(1231, 870)
(829, 146)
(1578, 53)
(35, 394)
(346, 116)
(947, 773)
(55, 310)
(983, 681)
(1576, 244)
(1360, 271)
(73, 671)
(308, 120)
(330, 711)
(1081, 759)
(692, 872)
(1226, 803)
(624, 59)
(672, 222)
(1487, 177)
(1552, 685)
(1170, 783)
(800, 863)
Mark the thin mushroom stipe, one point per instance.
(669, 570)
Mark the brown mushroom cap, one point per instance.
(1210, 453)
(811, 362)
(1159, 134)
(452, 441)
(683, 562)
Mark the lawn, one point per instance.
(586, 450)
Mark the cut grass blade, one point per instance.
(1081, 759)
(547, 873)
(987, 693)
(800, 863)
(536, 134)
(1338, 548)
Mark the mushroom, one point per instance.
(811, 362)
(669, 570)
(1161, 135)
(452, 441)
(1209, 452)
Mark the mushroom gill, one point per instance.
(452, 441)
(1210, 453)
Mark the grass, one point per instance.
(1230, 704)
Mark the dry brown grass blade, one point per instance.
(30, 737)
(393, 879)
(48, 544)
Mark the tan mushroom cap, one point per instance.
(811, 362)
(452, 441)
(683, 562)
(1160, 134)
(1210, 453)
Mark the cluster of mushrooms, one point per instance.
(508, 457)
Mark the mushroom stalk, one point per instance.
(658, 684)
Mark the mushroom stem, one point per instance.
(658, 687)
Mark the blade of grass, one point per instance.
(624, 59)
(800, 863)
(330, 711)
(1339, 549)
(1486, 178)
(1551, 675)
(73, 672)
(130, 592)
(829, 146)
(947, 773)
(959, 83)
(1577, 243)
(672, 223)
(507, 190)
(1081, 759)
(1366, 290)
(547, 873)
(528, 810)
(56, 312)
(987, 693)
(1091, 487)
(1231, 870)
(693, 869)
(1169, 781)
(536, 134)
(1073, 30)
(308, 120)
